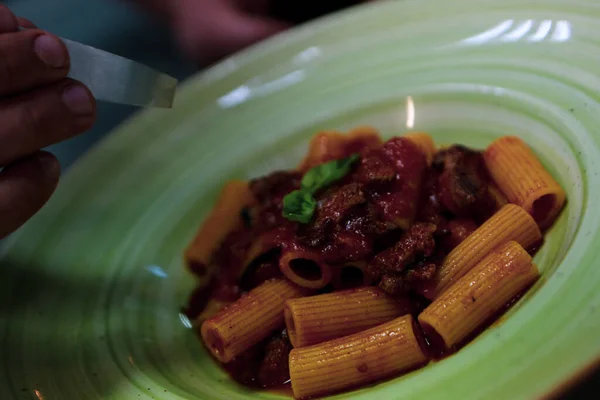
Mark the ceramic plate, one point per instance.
(90, 289)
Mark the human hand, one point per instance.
(39, 106)
(208, 30)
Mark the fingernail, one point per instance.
(77, 99)
(49, 165)
(51, 51)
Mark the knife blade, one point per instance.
(119, 80)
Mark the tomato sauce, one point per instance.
(391, 206)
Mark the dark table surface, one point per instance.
(117, 27)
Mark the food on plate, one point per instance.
(360, 358)
(367, 260)
(524, 180)
(315, 319)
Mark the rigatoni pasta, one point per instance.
(499, 200)
(223, 218)
(524, 180)
(511, 223)
(316, 319)
(249, 320)
(332, 145)
(471, 301)
(354, 360)
(350, 275)
(424, 142)
(305, 269)
(318, 272)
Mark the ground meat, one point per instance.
(402, 283)
(418, 241)
(269, 192)
(274, 369)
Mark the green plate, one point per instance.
(90, 289)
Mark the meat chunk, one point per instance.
(269, 192)
(343, 225)
(431, 209)
(346, 246)
(394, 177)
(334, 206)
(401, 283)
(463, 184)
(393, 284)
(458, 230)
(275, 185)
(422, 271)
(418, 241)
(274, 369)
(375, 167)
(339, 202)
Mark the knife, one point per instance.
(119, 80)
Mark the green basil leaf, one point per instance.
(325, 174)
(299, 206)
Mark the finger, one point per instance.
(25, 187)
(253, 6)
(8, 21)
(31, 58)
(25, 23)
(43, 117)
(226, 31)
(246, 29)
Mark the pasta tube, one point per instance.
(425, 143)
(249, 320)
(523, 179)
(351, 275)
(479, 295)
(511, 223)
(333, 145)
(223, 219)
(497, 197)
(305, 268)
(316, 319)
(363, 357)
